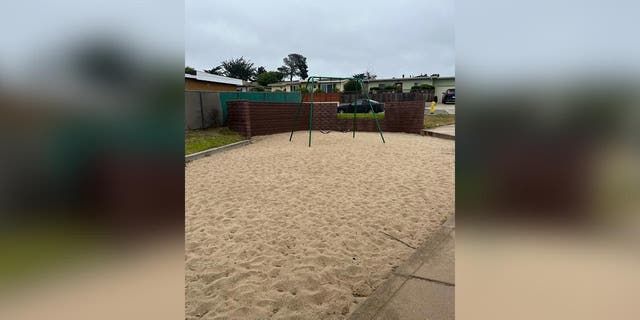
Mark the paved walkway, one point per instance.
(445, 132)
(422, 288)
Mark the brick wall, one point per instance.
(407, 116)
(262, 118)
(239, 118)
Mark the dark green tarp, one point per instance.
(256, 96)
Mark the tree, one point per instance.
(258, 72)
(295, 65)
(238, 68)
(284, 70)
(189, 70)
(216, 70)
(365, 76)
(269, 77)
(352, 85)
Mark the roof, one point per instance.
(297, 82)
(208, 77)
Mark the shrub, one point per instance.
(189, 70)
(422, 88)
(336, 90)
(269, 77)
(319, 91)
(303, 90)
(352, 85)
(258, 88)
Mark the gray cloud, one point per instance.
(339, 38)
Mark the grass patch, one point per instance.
(34, 252)
(360, 115)
(200, 140)
(437, 120)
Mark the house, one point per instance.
(203, 81)
(248, 86)
(441, 84)
(293, 86)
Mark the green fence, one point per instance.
(256, 96)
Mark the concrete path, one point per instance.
(422, 288)
(445, 132)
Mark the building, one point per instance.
(248, 86)
(440, 84)
(203, 81)
(293, 86)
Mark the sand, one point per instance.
(277, 230)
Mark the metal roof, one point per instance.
(203, 76)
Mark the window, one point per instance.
(294, 88)
(327, 87)
(381, 85)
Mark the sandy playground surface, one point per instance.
(277, 230)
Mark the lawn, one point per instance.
(360, 115)
(437, 120)
(200, 140)
(33, 252)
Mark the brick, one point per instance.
(260, 118)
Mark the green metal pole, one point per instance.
(310, 109)
(375, 117)
(295, 122)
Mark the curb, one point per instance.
(437, 135)
(370, 308)
(208, 152)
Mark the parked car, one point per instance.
(449, 96)
(361, 106)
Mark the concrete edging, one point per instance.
(208, 152)
(371, 307)
(430, 133)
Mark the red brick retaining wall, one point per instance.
(262, 118)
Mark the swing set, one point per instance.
(312, 80)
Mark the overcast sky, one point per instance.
(339, 38)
